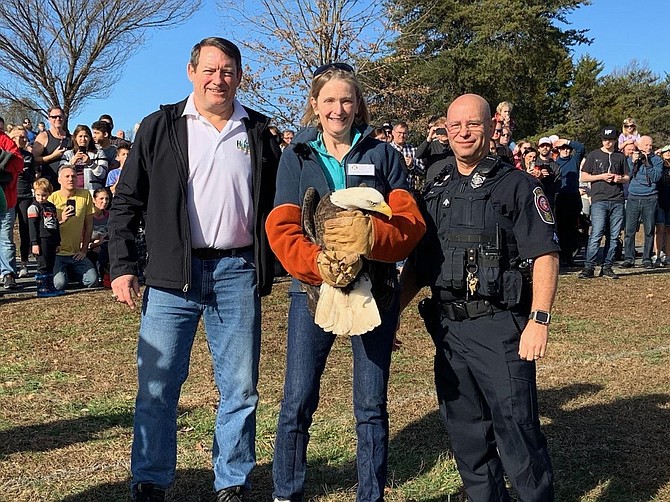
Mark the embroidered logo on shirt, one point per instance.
(243, 146)
(543, 207)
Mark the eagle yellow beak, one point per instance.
(384, 209)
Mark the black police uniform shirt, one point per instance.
(517, 197)
(599, 162)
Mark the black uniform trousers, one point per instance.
(488, 399)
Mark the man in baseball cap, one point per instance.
(609, 132)
(605, 168)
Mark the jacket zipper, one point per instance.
(181, 170)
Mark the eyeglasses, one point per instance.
(498, 131)
(629, 125)
(333, 66)
(505, 135)
(471, 125)
(56, 117)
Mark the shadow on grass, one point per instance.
(53, 435)
(190, 485)
(616, 451)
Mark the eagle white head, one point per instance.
(362, 198)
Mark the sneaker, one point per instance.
(8, 281)
(609, 273)
(627, 264)
(24, 271)
(587, 273)
(147, 492)
(647, 264)
(232, 494)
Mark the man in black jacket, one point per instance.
(201, 174)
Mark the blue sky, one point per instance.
(622, 31)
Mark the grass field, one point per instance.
(67, 383)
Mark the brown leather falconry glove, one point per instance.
(338, 269)
(349, 233)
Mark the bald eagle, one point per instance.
(351, 310)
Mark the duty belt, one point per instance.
(461, 310)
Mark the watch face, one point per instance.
(542, 317)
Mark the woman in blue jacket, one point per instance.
(336, 152)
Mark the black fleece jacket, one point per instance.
(153, 187)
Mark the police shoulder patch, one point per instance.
(543, 207)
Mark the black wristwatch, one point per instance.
(540, 317)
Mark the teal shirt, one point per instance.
(333, 169)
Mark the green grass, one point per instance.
(67, 385)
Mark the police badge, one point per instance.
(477, 181)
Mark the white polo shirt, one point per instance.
(220, 202)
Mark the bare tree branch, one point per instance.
(67, 52)
(287, 41)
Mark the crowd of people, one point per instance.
(580, 188)
(481, 219)
(77, 174)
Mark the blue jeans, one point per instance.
(644, 209)
(307, 351)
(604, 214)
(83, 270)
(7, 247)
(224, 293)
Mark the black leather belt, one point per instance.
(459, 311)
(215, 254)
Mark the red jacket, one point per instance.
(14, 167)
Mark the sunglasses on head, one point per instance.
(333, 66)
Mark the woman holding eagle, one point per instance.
(340, 243)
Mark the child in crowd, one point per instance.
(97, 248)
(122, 152)
(44, 237)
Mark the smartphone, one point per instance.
(71, 203)
(441, 130)
(82, 149)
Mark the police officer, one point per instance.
(490, 257)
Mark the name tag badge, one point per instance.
(361, 169)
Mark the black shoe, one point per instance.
(647, 264)
(147, 492)
(587, 273)
(609, 273)
(232, 494)
(8, 281)
(627, 264)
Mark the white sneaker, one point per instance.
(24, 271)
